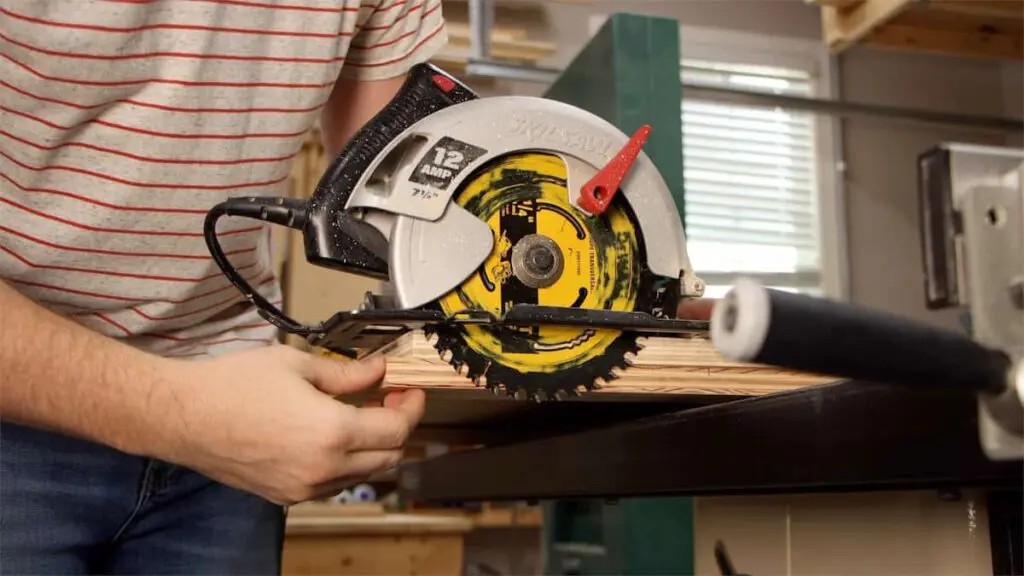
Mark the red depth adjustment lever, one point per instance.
(597, 193)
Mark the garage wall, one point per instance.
(881, 183)
(884, 257)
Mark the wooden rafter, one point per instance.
(846, 25)
(974, 28)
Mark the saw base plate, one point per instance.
(369, 331)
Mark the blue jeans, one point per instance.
(72, 507)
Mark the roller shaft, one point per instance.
(756, 324)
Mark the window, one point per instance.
(750, 176)
(759, 188)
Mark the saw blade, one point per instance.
(546, 252)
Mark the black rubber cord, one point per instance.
(288, 212)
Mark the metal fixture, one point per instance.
(481, 19)
(547, 76)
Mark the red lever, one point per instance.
(597, 193)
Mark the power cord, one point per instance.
(290, 212)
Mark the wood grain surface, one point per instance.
(663, 366)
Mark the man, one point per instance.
(150, 425)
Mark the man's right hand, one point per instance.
(265, 421)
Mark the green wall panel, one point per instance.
(629, 75)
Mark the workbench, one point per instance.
(844, 438)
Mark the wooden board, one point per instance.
(332, 555)
(969, 28)
(665, 366)
(358, 539)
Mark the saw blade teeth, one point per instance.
(630, 358)
(561, 395)
(520, 394)
(540, 396)
(447, 355)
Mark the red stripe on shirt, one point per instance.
(73, 196)
(112, 323)
(127, 298)
(384, 8)
(152, 185)
(254, 5)
(229, 340)
(190, 280)
(195, 338)
(188, 161)
(122, 231)
(397, 19)
(225, 303)
(74, 291)
(399, 38)
(136, 82)
(108, 124)
(64, 247)
(410, 52)
(186, 55)
(167, 26)
(137, 184)
(163, 107)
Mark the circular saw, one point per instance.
(532, 241)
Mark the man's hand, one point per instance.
(266, 421)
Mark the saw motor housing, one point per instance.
(384, 209)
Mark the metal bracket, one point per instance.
(972, 215)
(993, 250)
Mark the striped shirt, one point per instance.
(123, 121)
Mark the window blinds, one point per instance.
(750, 180)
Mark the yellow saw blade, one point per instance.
(549, 253)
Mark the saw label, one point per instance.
(445, 160)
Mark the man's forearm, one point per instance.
(351, 105)
(58, 375)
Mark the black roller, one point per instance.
(760, 325)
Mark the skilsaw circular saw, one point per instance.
(531, 240)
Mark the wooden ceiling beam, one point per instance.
(834, 3)
(997, 9)
(967, 43)
(844, 27)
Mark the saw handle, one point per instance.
(426, 90)
(764, 326)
